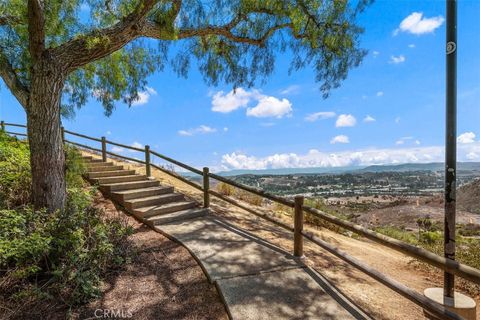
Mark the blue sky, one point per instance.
(389, 110)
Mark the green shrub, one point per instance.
(430, 237)
(59, 255)
(15, 178)
(69, 252)
(398, 233)
(75, 167)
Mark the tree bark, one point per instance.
(47, 157)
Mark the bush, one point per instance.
(225, 189)
(430, 237)
(398, 233)
(15, 178)
(319, 204)
(75, 167)
(61, 255)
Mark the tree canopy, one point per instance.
(105, 47)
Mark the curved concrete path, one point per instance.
(256, 279)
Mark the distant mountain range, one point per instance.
(434, 166)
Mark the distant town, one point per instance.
(395, 180)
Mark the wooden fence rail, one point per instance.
(298, 233)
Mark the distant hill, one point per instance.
(468, 197)
(434, 166)
(285, 171)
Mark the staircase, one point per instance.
(144, 197)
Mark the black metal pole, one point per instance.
(450, 144)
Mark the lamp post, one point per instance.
(446, 296)
(450, 145)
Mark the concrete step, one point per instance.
(131, 178)
(141, 193)
(87, 158)
(95, 160)
(146, 212)
(123, 186)
(115, 173)
(104, 168)
(176, 216)
(153, 200)
(98, 164)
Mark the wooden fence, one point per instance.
(299, 234)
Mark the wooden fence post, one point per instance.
(206, 187)
(63, 134)
(298, 227)
(147, 161)
(3, 125)
(104, 149)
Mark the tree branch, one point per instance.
(36, 29)
(101, 43)
(227, 33)
(10, 78)
(153, 30)
(9, 20)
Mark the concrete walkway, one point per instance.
(256, 279)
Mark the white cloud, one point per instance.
(293, 89)
(117, 149)
(340, 139)
(233, 100)
(144, 96)
(397, 59)
(108, 132)
(267, 106)
(203, 129)
(270, 107)
(316, 158)
(417, 24)
(411, 46)
(320, 116)
(380, 94)
(137, 145)
(375, 54)
(467, 137)
(225, 129)
(345, 120)
(473, 156)
(410, 139)
(369, 118)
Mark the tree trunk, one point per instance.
(47, 157)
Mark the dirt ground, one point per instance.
(162, 282)
(407, 215)
(377, 300)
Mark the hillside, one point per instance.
(404, 167)
(468, 197)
